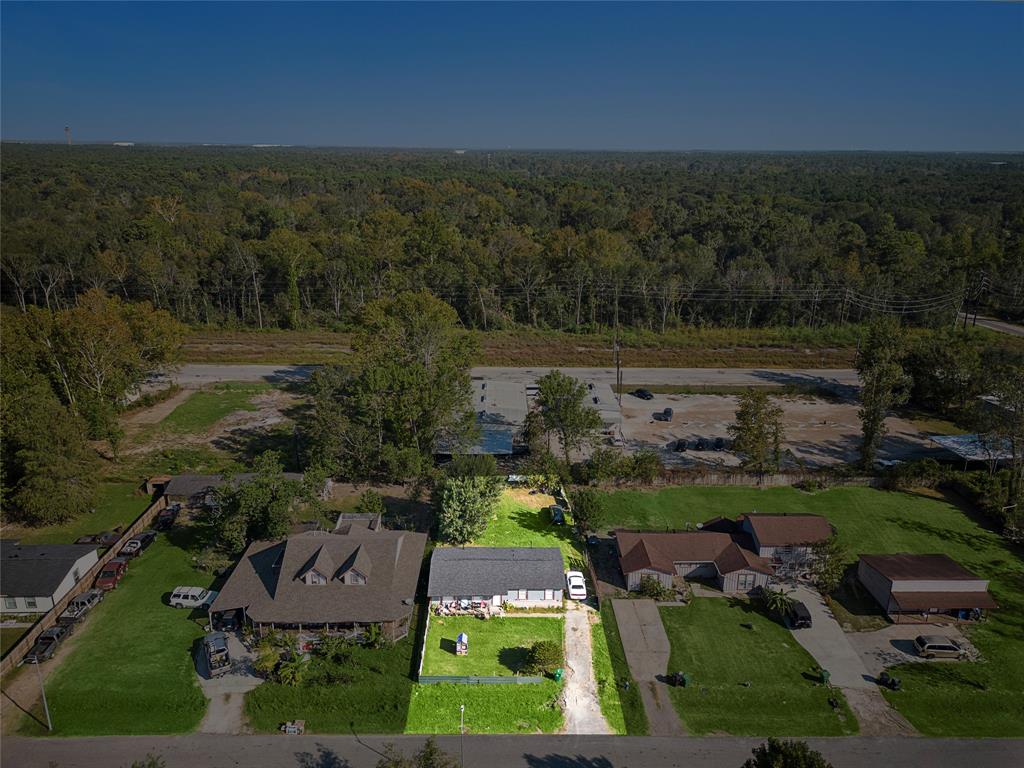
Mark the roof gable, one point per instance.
(788, 530)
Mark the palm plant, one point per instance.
(777, 601)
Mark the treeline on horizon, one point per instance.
(290, 238)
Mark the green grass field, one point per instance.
(131, 671)
(205, 408)
(496, 647)
(9, 636)
(528, 708)
(516, 525)
(607, 683)
(117, 504)
(968, 699)
(629, 701)
(710, 643)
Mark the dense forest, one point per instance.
(292, 238)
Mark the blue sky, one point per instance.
(916, 76)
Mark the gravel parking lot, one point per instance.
(818, 432)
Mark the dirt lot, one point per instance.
(895, 645)
(818, 432)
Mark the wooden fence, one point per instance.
(781, 479)
(48, 619)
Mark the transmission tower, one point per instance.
(67, 134)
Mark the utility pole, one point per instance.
(42, 690)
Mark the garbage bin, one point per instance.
(558, 674)
(825, 676)
(686, 679)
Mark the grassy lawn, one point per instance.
(117, 504)
(607, 682)
(205, 408)
(529, 708)
(496, 646)
(518, 523)
(131, 671)
(977, 699)
(9, 636)
(709, 641)
(375, 698)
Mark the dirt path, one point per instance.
(156, 413)
(582, 706)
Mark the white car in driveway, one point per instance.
(192, 597)
(577, 585)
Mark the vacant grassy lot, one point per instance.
(489, 708)
(131, 671)
(970, 699)
(375, 696)
(517, 524)
(496, 646)
(747, 682)
(607, 682)
(205, 408)
(117, 504)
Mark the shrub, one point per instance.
(586, 507)
(544, 658)
(653, 589)
(786, 754)
(370, 503)
(645, 466)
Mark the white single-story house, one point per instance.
(693, 555)
(521, 577)
(923, 585)
(33, 577)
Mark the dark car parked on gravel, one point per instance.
(104, 539)
(681, 445)
(643, 394)
(46, 644)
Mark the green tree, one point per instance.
(563, 407)
(406, 390)
(259, 508)
(463, 507)
(430, 756)
(544, 658)
(947, 370)
(758, 432)
(786, 754)
(586, 508)
(371, 503)
(884, 383)
(645, 466)
(829, 564)
(292, 671)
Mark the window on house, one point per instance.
(315, 577)
(10, 603)
(30, 602)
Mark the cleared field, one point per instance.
(965, 699)
(749, 676)
(205, 408)
(117, 504)
(489, 708)
(497, 647)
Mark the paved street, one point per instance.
(201, 374)
(1000, 326)
(276, 751)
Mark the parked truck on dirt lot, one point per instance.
(79, 606)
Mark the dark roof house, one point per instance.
(321, 579)
(785, 530)
(35, 576)
(490, 571)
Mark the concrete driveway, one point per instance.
(830, 647)
(226, 692)
(647, 652)
(895, 645)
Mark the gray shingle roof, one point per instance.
(468, 571)
(266, 581)
(36, 570)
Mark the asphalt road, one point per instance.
(278, 751)
(200, 374)
(992, 324)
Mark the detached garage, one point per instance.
(921, 586)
